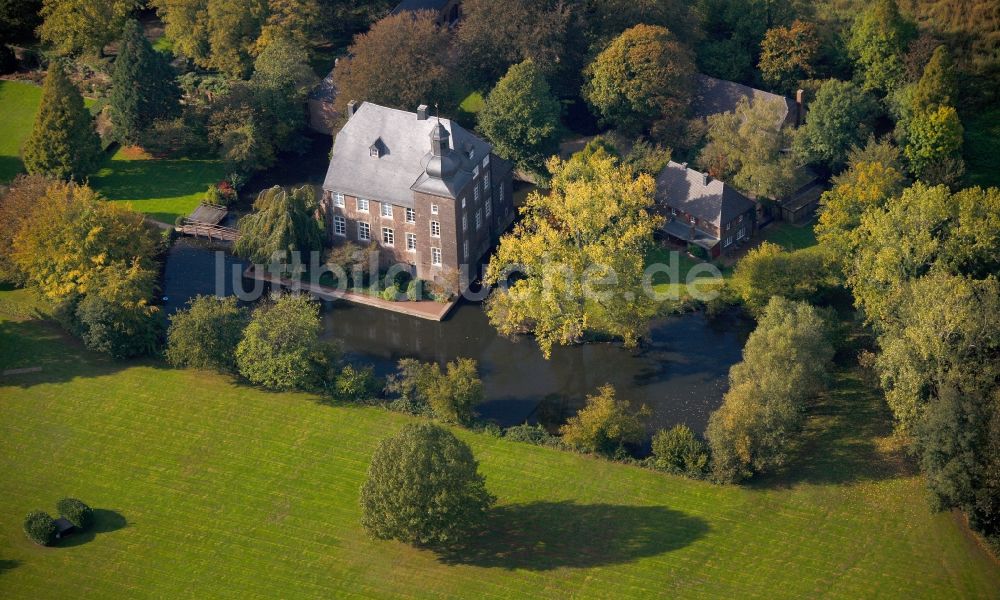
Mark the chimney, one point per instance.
(422, 112)
(704, 178)
(800, 108)
(352, 106)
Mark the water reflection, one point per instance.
(679, 372)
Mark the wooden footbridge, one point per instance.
(204, 222)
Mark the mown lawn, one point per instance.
(162, 188)
(791, 237)
(206, 488)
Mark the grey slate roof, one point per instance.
(685, 189)
(400, 170)
(714, 96)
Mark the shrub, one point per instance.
(116, 317)
(390, 293)
(206, 333)
(76, 512)
(452, 394)
(281, 348)
(678, 450)
(605, 424)
(355, 384)
(423, 487)
(531, 434)
(174, 137)
(40, 528)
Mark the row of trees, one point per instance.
(921, 262)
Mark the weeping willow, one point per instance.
(281, 224)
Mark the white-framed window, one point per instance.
(364, 231)
(339, 225)
(486, 180)
(386, 210)
(434, 209)
(465, 249)
(500, 187)
(489, 207)
(741, 233)
(388, 236)
(729, 241)
(475, 193)
(486, 161)
(475, 171)
(411, 242)
(435, 256)
(435, 229)
(463, 202)
(465, 222)
(362, 205)
(338, 199)
(479, 219)
(373, 152)
(411, 215)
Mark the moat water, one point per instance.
(679, 371)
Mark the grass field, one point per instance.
(161, 188)
(790, 237)
(205, 488)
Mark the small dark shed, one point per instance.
(64, 528)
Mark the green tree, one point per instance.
(143, 86)
(423, 487)
(839, 118)
(785, 362)
(206, 333)
(769, 270)
(215, 34)
(877, 42)
(788, 55)
(75, 236)
(116, 317)
(747, 148)
(296, 21)
(679, 450)
(605, 425)
(17, 209)
(642, 77)
(873, 178)
(403, 61)
(62, 143)
(281, 348)
(281, 223)
(520, 117)
(73, 26)
(452, 395)
(580, 250)
(733, 33)
(934, 138)
(937, 85)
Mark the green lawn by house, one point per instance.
(211, 489)
(161, 188)
(791, 237)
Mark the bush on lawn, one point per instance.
(353, 384)
(423, 487)
(76, 512)
(452, 394)
(530, 434)
(40, 528)
(678, 450)
(605, 425)
(206, 333)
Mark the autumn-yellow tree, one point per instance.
(578, 253)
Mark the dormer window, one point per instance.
(373, 152)
(377, 149)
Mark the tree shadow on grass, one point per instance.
(10, 166)
(155, 178)
(105, 521)
(7, 564)
(548, 535)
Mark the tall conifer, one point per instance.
(143, 86)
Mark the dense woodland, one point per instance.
(890, 90)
